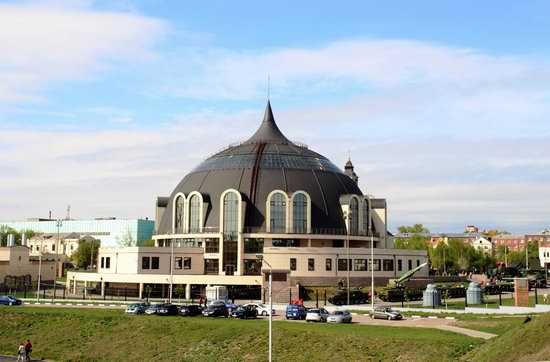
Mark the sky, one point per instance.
(443, 107)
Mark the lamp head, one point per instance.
(260, 256)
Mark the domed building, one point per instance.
(270, 196)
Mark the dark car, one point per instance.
(190, 310)
(245, 312)
(152, 310)
(218, 310)
(295, 311)
(168, 309)
(9, 300)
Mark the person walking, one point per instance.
(21, 352)
(28, 350)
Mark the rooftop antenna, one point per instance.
(68, 212)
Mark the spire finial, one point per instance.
(349, 155)
(268, 81)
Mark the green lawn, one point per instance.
(87, 334)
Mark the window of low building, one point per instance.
(338, 243)
(410, 264)
(102, 262)
(107, 262)
(328, 264)
(187, 262)
(252, 267)
(253, 246)
(212, 245)
(285, 243)
(376, 265)
(360, 264)
(154, 262)
(211, 266)
(343, 264)
(179, 262)
(311, 264)
(399, 265)
(145, 262)
(292, 263)
(387, 265)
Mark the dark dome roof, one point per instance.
(267, 161)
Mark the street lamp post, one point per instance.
(261, 257)
(372, 271)
(347, 220)
(39, 272)
(59, 223)
(171, 269)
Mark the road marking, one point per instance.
(69, 304)
(36, 303)
(79, 304)
(101, 305)
(113, 305)
(432, 317)
(58, 304)
(48, 303)
(90, 305)
(453, 318)
(415, 316)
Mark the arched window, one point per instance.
(230, 216)
(354, 216)
(277, 213)
(179, 215)
(366, 215)
(299, 213)
(194, 214)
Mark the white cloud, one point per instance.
(45, 43)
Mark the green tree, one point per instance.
(179, 291)
(86, 253)
(6, 230)
(417, 240)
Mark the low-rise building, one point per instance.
(15, 261)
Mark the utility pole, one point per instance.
(59, 223)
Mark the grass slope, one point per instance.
(529, 342)
(85, 335)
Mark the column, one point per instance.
(188, 291)
(74, 286)
(140, 290)
(102, 287)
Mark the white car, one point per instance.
(262, 309)
(340, 316)
(317, 315)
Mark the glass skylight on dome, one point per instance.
(229, 162)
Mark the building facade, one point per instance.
(109, 230)
(306, 217)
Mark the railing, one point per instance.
(296, 230)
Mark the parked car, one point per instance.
(295, 311)
(227, 304)
(262, 309)
(152, 310)
(385, 313)
(137, 308)
(245, 312)
(317, 315)
(216, 310)
(168, 309)
(9, 300)
(190, 310)
(339, 316)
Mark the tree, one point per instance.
(6, 230)
(127, 239)
(417, 240)
(179, 291)
(86, 252)
(147, 243)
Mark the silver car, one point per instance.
(317, 315)
(339, 316)
(385, 313)
(137, 308)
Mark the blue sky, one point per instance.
(444, 107)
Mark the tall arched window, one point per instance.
(277, 213)
(230, 215)
(179, 215)
(366, 215)
(230, 232)
(299, 213)
(354, 216)
(194, 214)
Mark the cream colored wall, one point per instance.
(16, 262)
